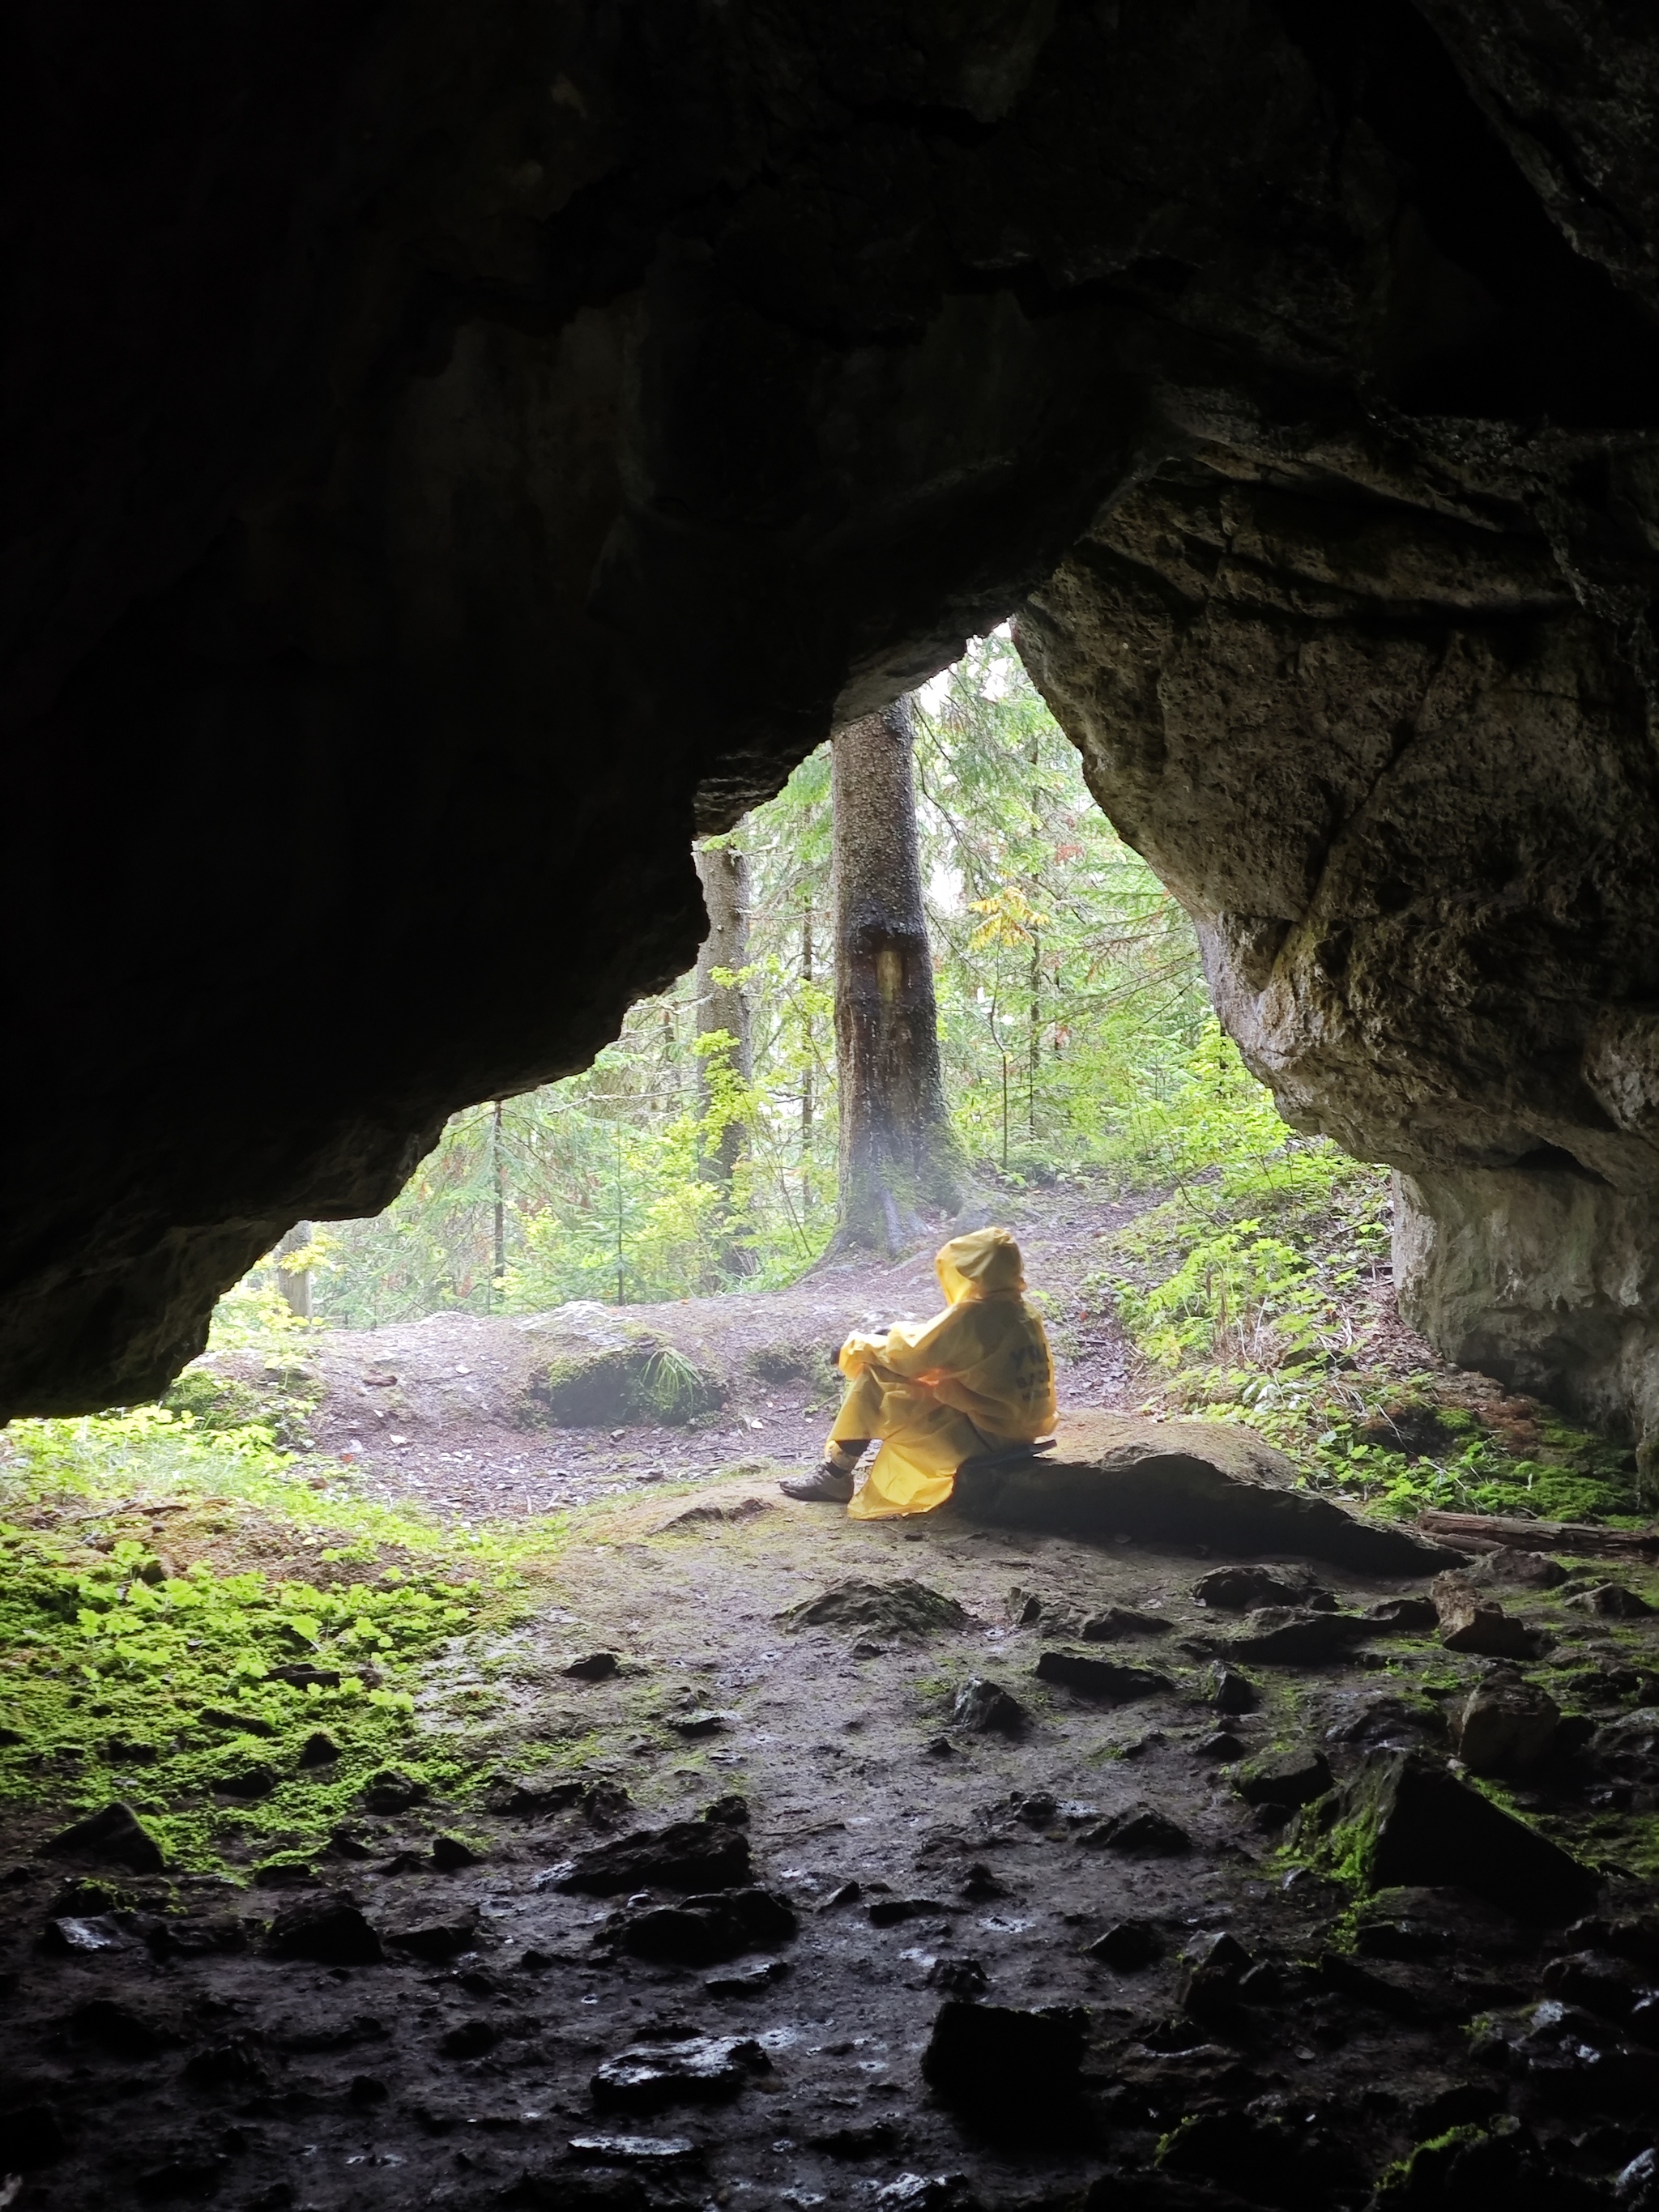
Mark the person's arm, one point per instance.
(859, 1352)
(927, 1351)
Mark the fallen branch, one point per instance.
(1541, 1535)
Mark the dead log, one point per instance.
(1541, 1535)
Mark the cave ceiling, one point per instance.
(454, 452)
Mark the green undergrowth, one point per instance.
(157, 1577)
(1253, 1294)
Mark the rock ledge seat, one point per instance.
(1209, 1482)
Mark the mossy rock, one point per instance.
(219, 1400)
(793, 1362)
(1404, 1820)
(594, 1369)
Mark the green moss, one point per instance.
(1423, 2168)
(112, 1661)
(111, 1675)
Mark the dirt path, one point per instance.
(467, 1464)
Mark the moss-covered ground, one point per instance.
(168, 1590)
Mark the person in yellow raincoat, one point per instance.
(969, 1383)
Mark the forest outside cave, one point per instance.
(442, 1626)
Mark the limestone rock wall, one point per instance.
(1403, 776)
(454, 452)
(1543, 1278)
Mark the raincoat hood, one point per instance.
(984, 1264)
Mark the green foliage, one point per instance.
(113, 1669)
(1070, 1000)
(1270, 1233)
(675, 1387)
(1068, 979)
(1250, 1288)
(114, 1659)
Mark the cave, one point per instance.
(454, 458)
(460, 454)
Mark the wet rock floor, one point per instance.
(474, 2006)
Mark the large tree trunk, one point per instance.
(295, 1284)
(900, 1157)
(723, 1010)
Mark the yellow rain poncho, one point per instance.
(974, 1379)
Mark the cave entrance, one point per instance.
(436, 1736)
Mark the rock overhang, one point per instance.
(595, 416)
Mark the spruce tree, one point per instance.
(901, 1165)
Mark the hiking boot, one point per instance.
(825, 1485)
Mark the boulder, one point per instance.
(984, 1708)
(1629, 1746)
(1636, 2187)
(83, 1936)
(1208, 1482)
(591, 1368)
(1613, 1988)
(1403, 1616)
(1471, 1621)
(1507, 1568)
(647, 2151)
(434, 1940)
(893, 1911)
(114, 1837)
(1306, 1639)
(701, 2069)
(248, 1782)
(751, 1981)
(1115, 1623)
(1243, 1589)
(1002, 2066)
(1230, 1691)
(1126, 1946)
(329, 1928)
(1610, 1601)
(1404, 1820)
(876, 2139)
(1283, 1777)
(390, 1791)
(1139, 1832)
(686, 1855)
(1504, 1725)
(1272, 2160)
(895, 1609)
(1103, 1680)
(704, 1930)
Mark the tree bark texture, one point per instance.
(295, 1284)
(900, 1157)
(723, 1007)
